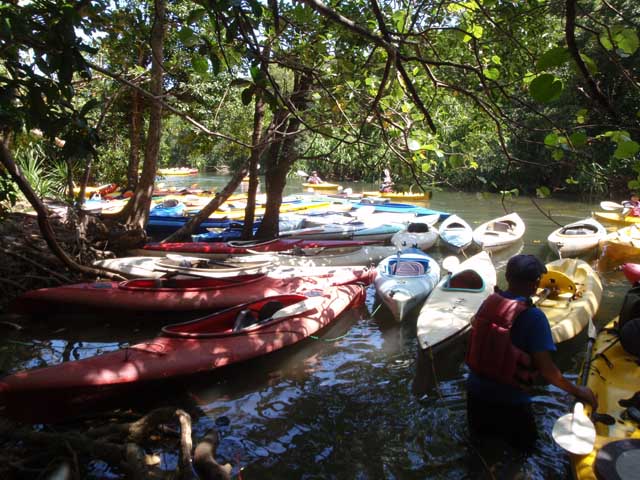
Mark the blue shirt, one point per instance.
(530, 332)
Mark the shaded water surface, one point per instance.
(342, 407)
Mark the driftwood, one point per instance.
(66, 451)
(204, 461)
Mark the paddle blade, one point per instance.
(575, 432)
(450, 263)
(606, 205)
(298, 308)
(302, 173)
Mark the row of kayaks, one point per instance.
(219, 339)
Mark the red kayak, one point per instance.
(205, 344)
(178, 294)
(244, 247)
(631, 271)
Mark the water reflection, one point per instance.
(345, 409)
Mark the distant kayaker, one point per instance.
(632, 206)
(510, 345)
(314, 178)
(387, 182)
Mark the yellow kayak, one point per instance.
(177, 171)
(322, 187)
(616, 218)
(619, 247)
(401, 196)
(614, 375)
(578, 298)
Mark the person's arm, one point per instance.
(550, 372)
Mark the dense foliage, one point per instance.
(539, 95)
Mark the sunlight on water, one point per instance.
(344, 408)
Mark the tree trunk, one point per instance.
(256, 152)
(135, 138)
(135, 132)
(281, 156)
(137, 210)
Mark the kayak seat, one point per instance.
(502, 226)
(247, 318)
(465, 280)
(418, 228)
(407, 268)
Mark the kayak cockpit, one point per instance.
(242, 318)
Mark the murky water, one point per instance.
(342, 407)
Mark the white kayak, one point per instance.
(416, 235)
(156, 267)
(577, 238)
(455, 233)
(350, 231)
(331, 257)
(446, 314)
(499, 233)
(405, 280)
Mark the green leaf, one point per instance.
(492, 73)
(591, 65)
(626, 149)
(553, 58)
(570, 181)
(199, 64)
(188, 37)
(545, 88)
(628, 41)
(496, 59)
(557, 155)
(551, 140)
(456, 161)
(581, 116)
(578, 139)
(543, 192)
(633, 184)
(399, 19)
(247, 95)
(215, 63)
(196, 15)
(606, 42)
(425, 167)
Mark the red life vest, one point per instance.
(491, 352)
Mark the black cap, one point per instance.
(524, 268)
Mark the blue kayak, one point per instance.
(165, 225)
(385, 206)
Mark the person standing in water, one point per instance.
(510, 346)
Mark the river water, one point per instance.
(343, 407)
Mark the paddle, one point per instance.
(302, 173)
(450, 263)
(606, 205)
(575, 431)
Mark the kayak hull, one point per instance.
(176, 294)
(577, 238)
(567, 315)
(499, 233)
(402, 292)
(447, 312)
(612, 377)
(181, 350)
